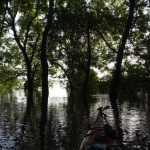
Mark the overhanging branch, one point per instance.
(101, 35)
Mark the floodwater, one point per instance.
(68, 120)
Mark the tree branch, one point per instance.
(34, 47)
(28, 27)
(11, 78)
(101, 35)
(12, 23)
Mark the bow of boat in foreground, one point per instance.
(101, 136)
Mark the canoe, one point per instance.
(101, 135)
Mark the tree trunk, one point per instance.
(114, 86)
(30, 84)
(85, 86)
(44, 63)
(24, 52)
(118, 122)
(45, 91)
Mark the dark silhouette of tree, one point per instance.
(114, 86)
(44, 63)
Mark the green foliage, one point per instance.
(93, 81)
(8, 78)
(67, 44)
(20, 48)
(135, 79)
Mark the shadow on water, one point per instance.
(118, 121)
(63, 126)
(29, 127)
(42, 127)
(26, 117)
(43, 122)
(77, 118)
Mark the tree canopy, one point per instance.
(79, 36)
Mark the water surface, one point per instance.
(69, 118)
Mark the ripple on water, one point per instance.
(67, 121)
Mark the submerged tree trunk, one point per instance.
(44, 63)
(114, 86)
(30, 84)
(118, 121)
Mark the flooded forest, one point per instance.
(60, 60)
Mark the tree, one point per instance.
(117, 72)
(10, 68)
(27, 23)
(74, 43)
(138, 48)
(21, 20)
(2, 14)
(43, 55)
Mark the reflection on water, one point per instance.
(10, 114)
(69, 119)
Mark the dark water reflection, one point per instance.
(68, 121)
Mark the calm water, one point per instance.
(69, 118)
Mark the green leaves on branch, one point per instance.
(67, 44)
